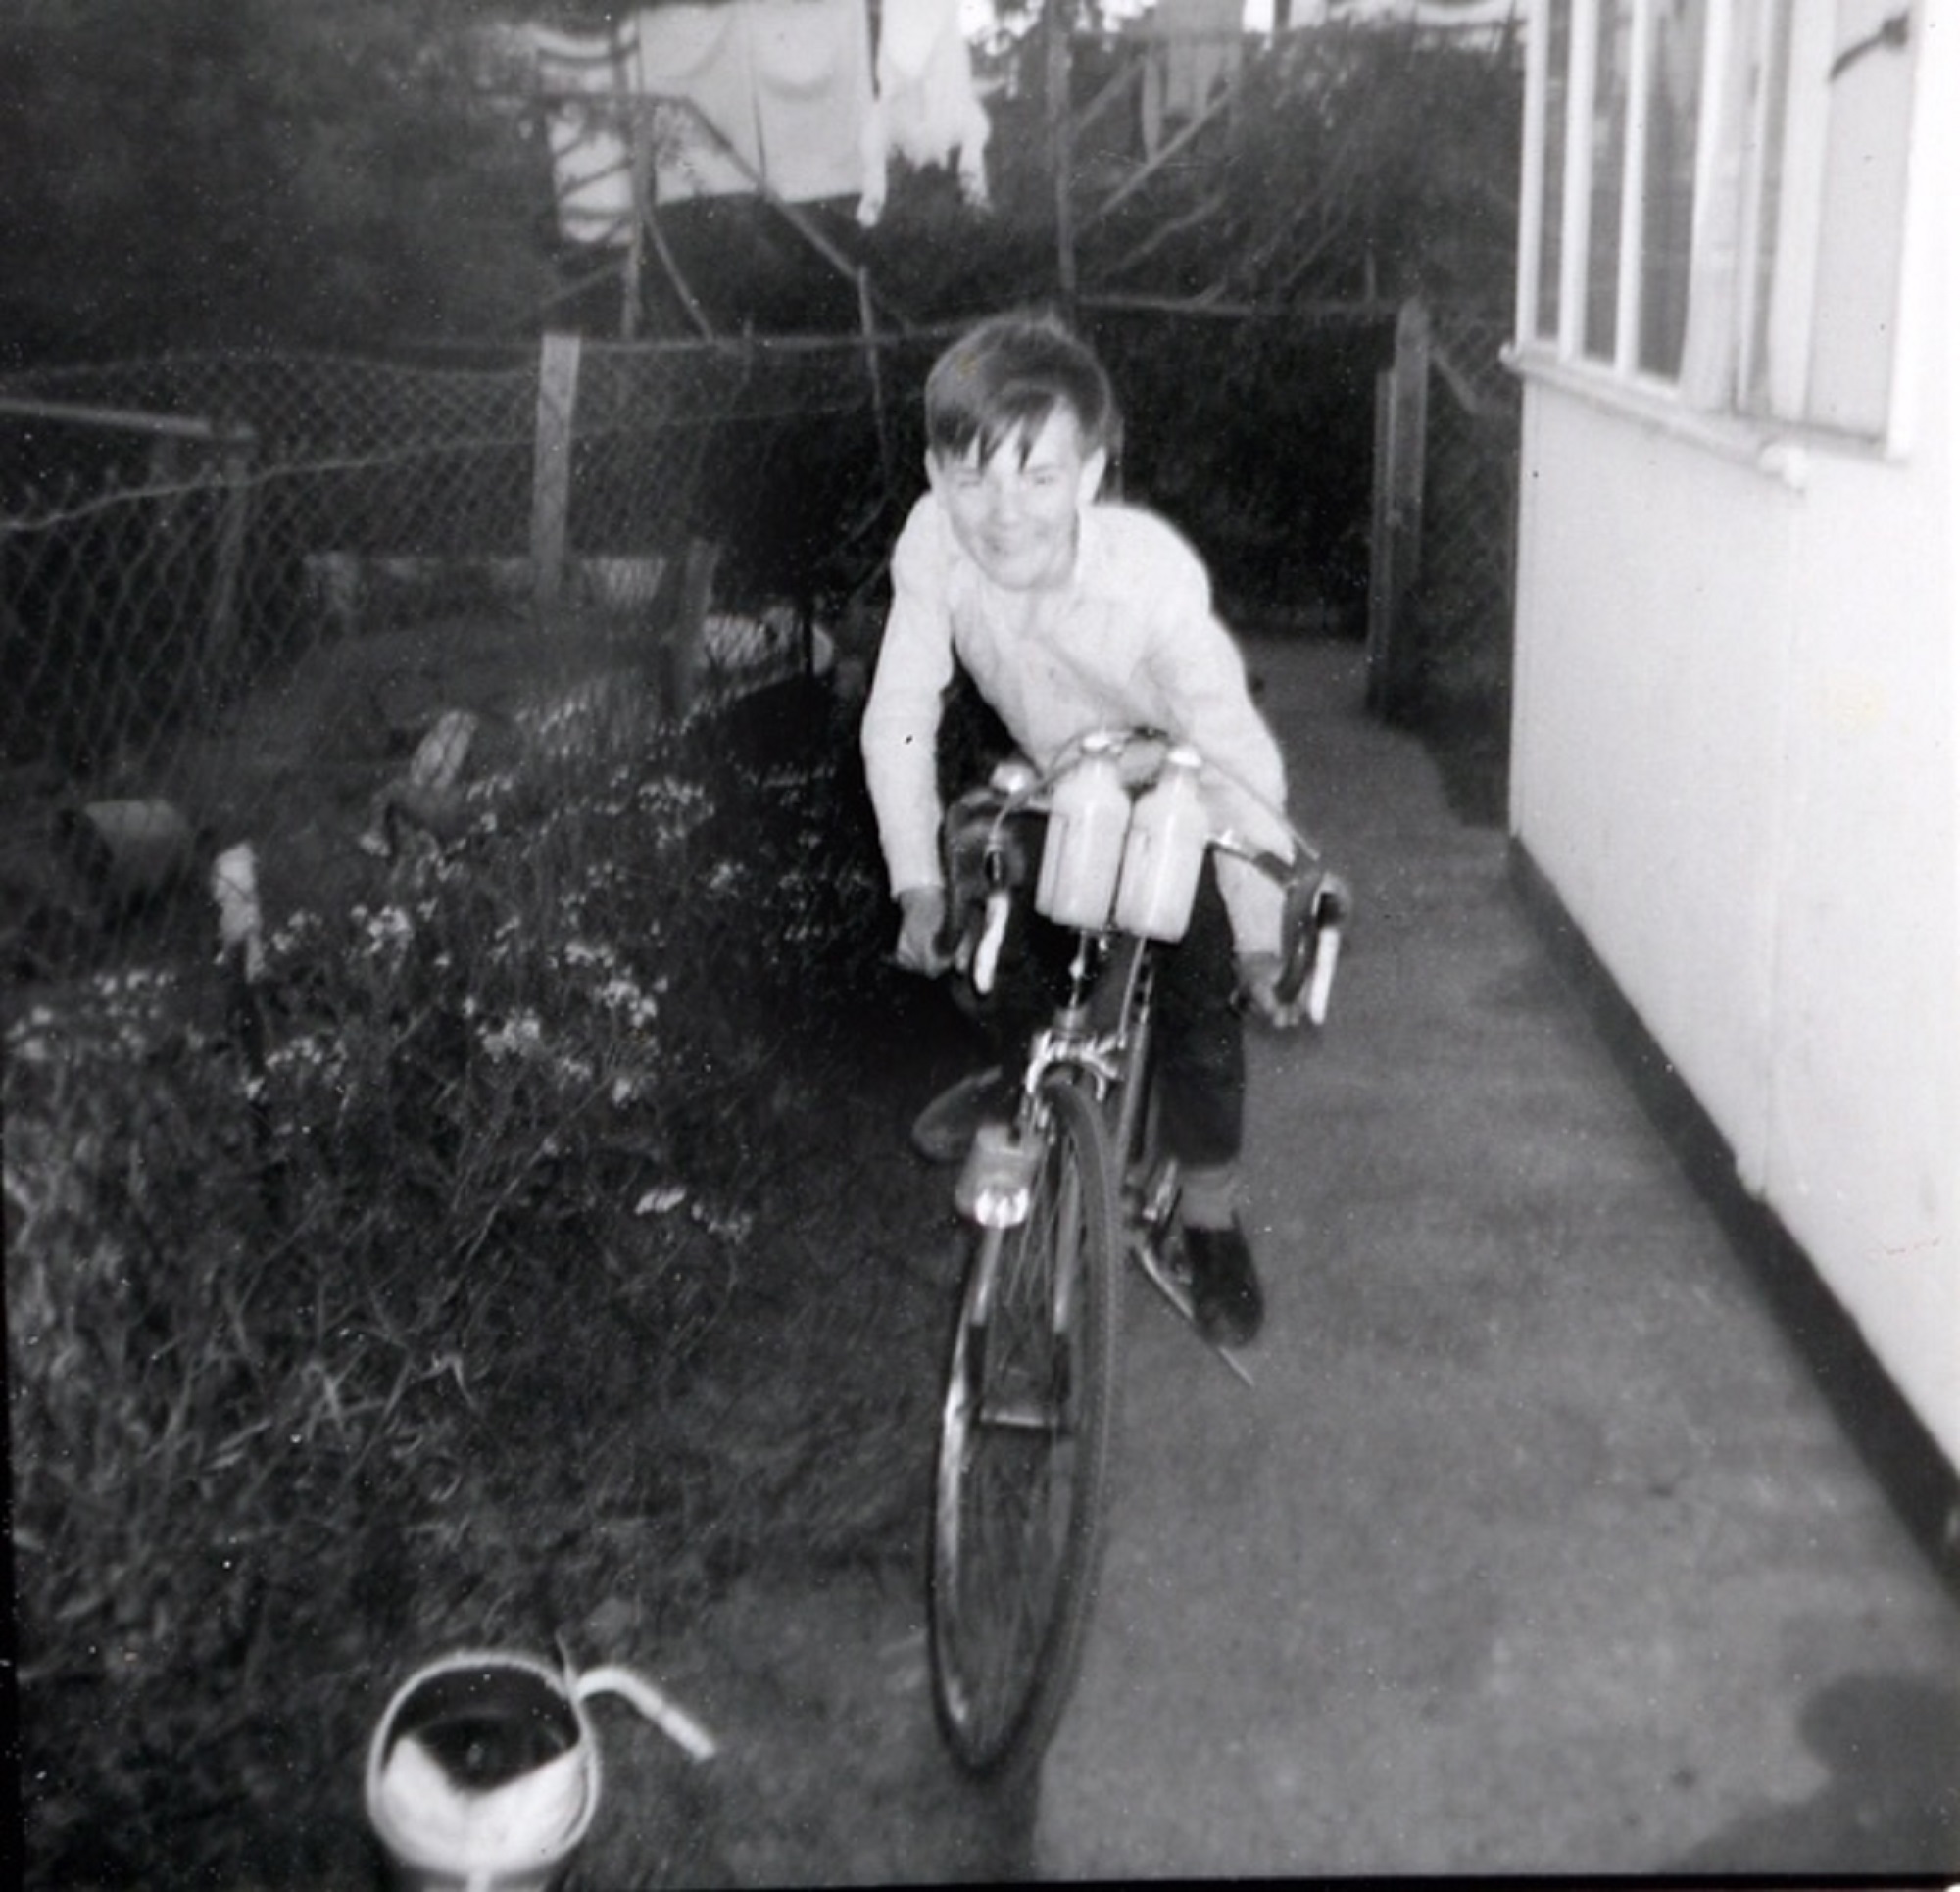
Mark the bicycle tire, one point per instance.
(1024, 1449)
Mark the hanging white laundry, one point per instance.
(926, 109)
(1197, 47)
(812, 63)
(701, 53)
(592, 166)
(784, 84)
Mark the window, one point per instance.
(1606, 186)
(1674, 83)
(1714, 201)
(1545, 139)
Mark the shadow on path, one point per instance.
(1892, 1803)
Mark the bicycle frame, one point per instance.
(1315, 901)
(1110, 1046)
(1106, 1043)
(1074, 1037)
(1059, 1196)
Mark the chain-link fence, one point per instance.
(202, 559)
(1446, 475)
(217, 570)
(1465, 591)
(170, 529)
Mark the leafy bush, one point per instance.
(415, 1297)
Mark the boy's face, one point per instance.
(1016, 516)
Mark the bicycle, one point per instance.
(1057, 1196)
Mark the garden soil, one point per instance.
(830, 1772)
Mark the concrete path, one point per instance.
(1535, 1548)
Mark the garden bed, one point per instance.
(530, 1258)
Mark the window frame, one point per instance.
(1758, 380)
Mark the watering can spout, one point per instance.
(673, 1721)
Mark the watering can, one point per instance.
(483, 1773)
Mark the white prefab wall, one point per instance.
(1735, 758)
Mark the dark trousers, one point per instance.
(1202, 1037)
(1201, 1040)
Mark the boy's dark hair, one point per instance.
(1002, 379)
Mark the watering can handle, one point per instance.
(679, 1726)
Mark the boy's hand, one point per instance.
(1258, 980)
(921, 917)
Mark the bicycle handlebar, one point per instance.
(1316, 901)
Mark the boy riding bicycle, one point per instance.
(1071, 613)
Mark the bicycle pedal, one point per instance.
(1022, 1403)
(1160, 1200)
(1165, 1268)
(1164, 1265)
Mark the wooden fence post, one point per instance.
(1401, 425)
(679, 659)
(551, 469)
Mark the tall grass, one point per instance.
(496, 1261)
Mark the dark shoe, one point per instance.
(1225, 1296)
(942, 1132)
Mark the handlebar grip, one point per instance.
(1314, 911)
(1322, 988)
(986, 949)
(1300, 936)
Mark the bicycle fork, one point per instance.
(997, 1193)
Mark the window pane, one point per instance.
(1550, 225)
(1774, 68)
(1667, 215)
(1610, 161)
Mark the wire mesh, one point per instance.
(179, 537)
(187, 540)
(1458, 615)
(1470, 490)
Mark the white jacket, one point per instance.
(1131, 642)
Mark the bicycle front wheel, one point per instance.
(1024, 1450)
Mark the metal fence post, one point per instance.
(1401, 424)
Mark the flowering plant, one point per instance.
(349, 1273)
